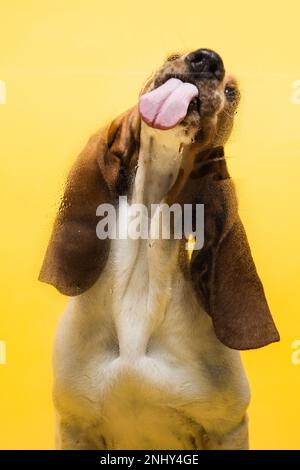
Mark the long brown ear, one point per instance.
(75, 255)
(223, 271)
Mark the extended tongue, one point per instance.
(167, 105)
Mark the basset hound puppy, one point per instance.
(147, 352)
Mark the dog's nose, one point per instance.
(206, 63)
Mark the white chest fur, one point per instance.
(146, 269)
(137, 364)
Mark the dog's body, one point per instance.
(137, 361)
(140, 351)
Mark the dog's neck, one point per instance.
(160, 158)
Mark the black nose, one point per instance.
(206, 63)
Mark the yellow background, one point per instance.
(70, 66)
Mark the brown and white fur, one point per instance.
(137, 362)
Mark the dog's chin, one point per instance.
(198, 129)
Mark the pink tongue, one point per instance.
(167, 105)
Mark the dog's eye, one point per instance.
(230, 92)
(173, 57)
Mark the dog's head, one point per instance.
(207, 108)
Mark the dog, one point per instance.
(146, 354)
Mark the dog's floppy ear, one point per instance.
(75, 255)
(223, 271)
(123, 136)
